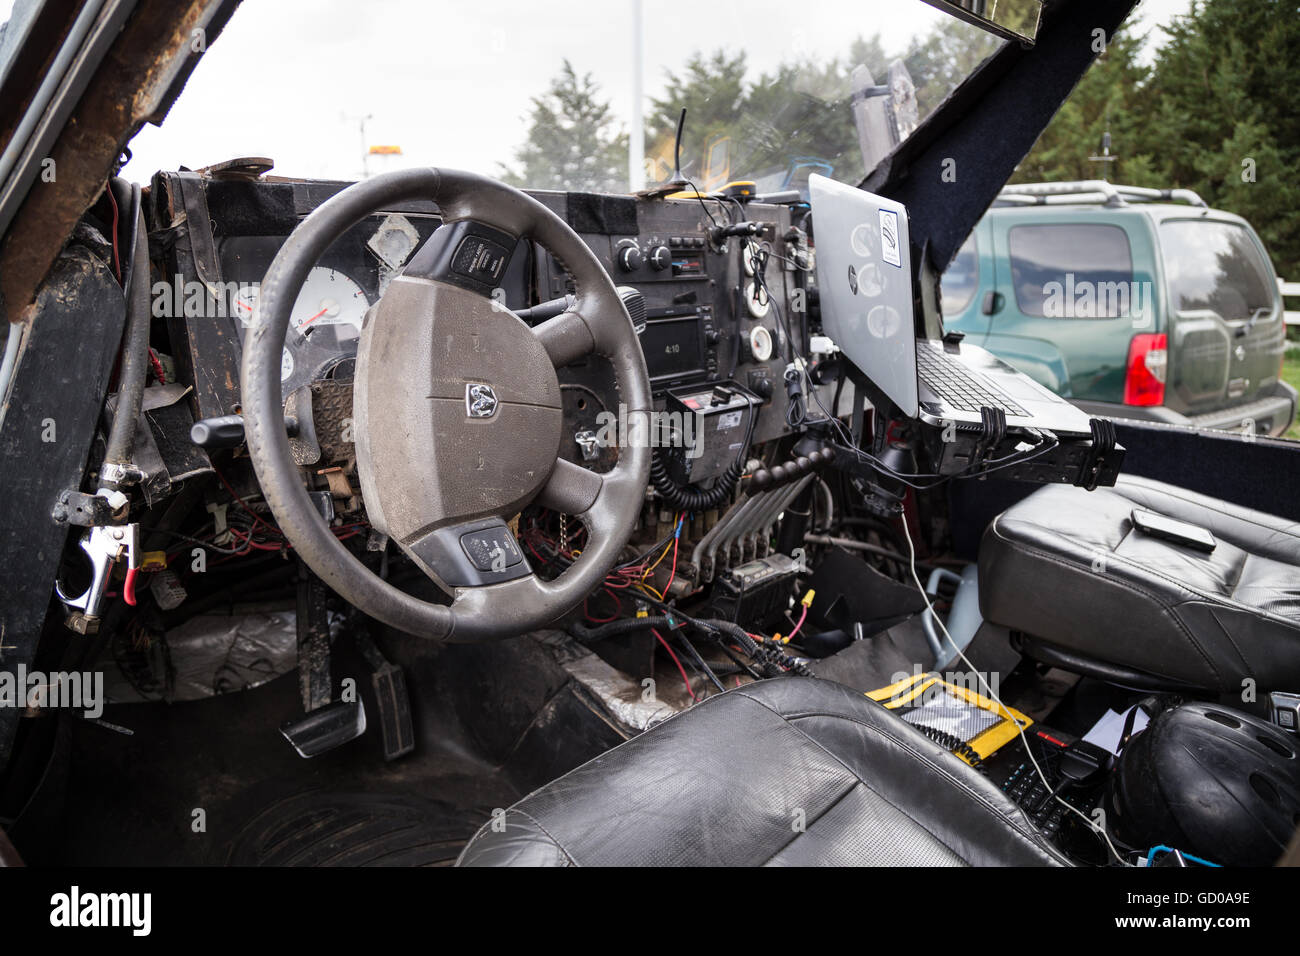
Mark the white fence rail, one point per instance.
(1290, 290)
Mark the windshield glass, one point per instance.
(550, 95)
(16, 18)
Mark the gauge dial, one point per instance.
(328, 314)
(757, 301)
(330, 298)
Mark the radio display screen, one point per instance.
(672, 346)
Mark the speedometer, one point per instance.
(328, 314)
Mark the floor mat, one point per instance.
(214, 782)
(324, 828)
(880, 660)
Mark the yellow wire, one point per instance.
(646, 573)
(668, 547)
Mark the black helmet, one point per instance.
(1209, 781)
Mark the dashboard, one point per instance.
(718, 308)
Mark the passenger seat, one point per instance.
(1067, 568)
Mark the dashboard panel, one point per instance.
(707, 318)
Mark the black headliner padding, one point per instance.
(989, 124)
(606, 215)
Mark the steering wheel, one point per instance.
(456, 411)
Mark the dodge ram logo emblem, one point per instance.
(480, 400)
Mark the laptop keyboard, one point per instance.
(953, 382)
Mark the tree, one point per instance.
(1221, 116)
(573, 142)
(944, 57)
(1108, 99)
(1213, 113)
(712, 89)
(801, 108)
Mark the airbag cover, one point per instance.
(456, 407)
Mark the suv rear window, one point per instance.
(1216, 266)
(959, 282)
(1055, 261)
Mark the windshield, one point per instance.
(550, 95)
(16, 18)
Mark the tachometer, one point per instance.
(330, 298)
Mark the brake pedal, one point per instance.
(325, 728)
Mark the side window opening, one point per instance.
(1072, 270)
(962, 278)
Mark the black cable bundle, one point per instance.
(694, 499)
(773, 661)
(955, 744)
(678, 498)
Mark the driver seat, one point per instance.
(786, 772)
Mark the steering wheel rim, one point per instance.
(597, 323)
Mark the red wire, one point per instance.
(682, 670)
(596, 620)
(128, 588)
(157, 367)
(258, 545)
(673, 573)
(799, 624)
(528, 544)
(618, 609)
(240, 501)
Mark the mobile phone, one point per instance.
(1171, 529)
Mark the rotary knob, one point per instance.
(629, 258)
(660, 258)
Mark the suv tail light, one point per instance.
(1148, 359)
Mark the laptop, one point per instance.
(864, 277)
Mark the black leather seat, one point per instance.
(726, 782)
(1066, 567)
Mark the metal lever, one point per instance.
(103, 545)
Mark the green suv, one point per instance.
(1133, 303)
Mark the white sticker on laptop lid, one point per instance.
(889, 250)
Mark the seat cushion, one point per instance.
(1067, 567)
(791, 771)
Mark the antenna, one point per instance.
(660, 190)
(677, 147)
(1105, 157)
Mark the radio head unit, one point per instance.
(680, 347)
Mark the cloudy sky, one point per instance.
(450, 83)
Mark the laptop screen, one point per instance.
(864, 277)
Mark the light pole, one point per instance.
(636, 136)
(365, 150)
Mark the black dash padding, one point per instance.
(605, 215)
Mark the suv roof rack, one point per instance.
(1096, 191)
